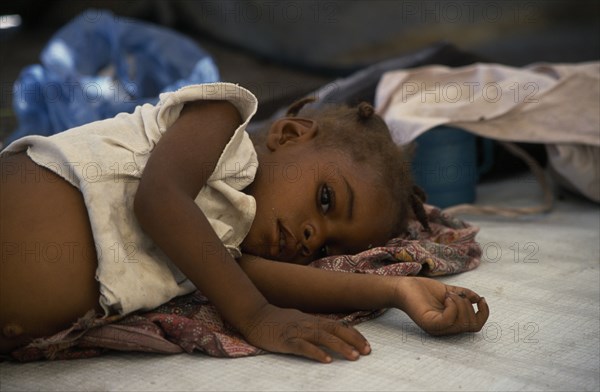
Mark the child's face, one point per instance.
(312, 203)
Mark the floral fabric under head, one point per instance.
(190, 323)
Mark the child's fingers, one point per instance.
(310, 348)
(465, 293)
(299, 346)
(337, 345)
(338, 338)
(483, 312)
(471, 321)
(446, 320)
(459, 316)
(471, 295)
(351, 336)
(466, 320)
(475, 320)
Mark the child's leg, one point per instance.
(47, 270)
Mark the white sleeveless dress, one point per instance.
(105, 161)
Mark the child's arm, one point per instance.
(437, 308)
(178, 168)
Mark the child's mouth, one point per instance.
(281, 240)
(287, 250)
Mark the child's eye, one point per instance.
(325, 198)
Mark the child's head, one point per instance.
(330, 181)
(361, 133)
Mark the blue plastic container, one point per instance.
(445, 166)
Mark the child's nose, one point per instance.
(310, 240)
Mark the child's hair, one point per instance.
(365, 136)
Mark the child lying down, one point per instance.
(125, 214)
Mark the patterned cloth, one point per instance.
(189, 323)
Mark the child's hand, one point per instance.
(293, 332)
(440, 309)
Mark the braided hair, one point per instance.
(365, 136)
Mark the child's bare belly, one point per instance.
(48, 263)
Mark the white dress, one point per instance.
(105, 161)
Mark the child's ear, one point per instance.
(290, 130)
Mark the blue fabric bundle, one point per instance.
(99, 65)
